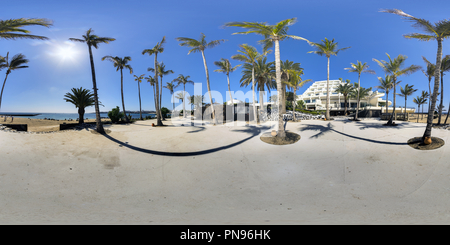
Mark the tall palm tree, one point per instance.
(199, 46)
(171, 86)
(17, 62)
(180, 96)
(158, 48)
(273, 34)
(161, 72)
(359, 93)
(181, 79)
(261, 75)
(287, 68)
(120, 64)
(12, 28)
(394, 67)
(295, 82)
(139, 80)
(327, 48)
(437, 31)
(445, 66)
(386, 84)
(344, 89)
(226, 67)
(419, 100)
(81, 98)
(407, 91)
(152, 82)
(359, 68)
(93, 41)
(249, 55)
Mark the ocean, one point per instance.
(74, 116)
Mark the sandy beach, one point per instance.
(339, 172)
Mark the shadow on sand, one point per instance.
(329, 128)
(253, 131)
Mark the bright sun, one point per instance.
(66, 52)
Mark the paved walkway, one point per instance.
(339, 172)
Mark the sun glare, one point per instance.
(63, 52)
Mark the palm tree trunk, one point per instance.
(158, 111)
(98, 121)
(160, 100)
(80, 115)
(442, 97)
(1, 94)
(209, 89)
(445, 122)
(184, 109)
(281, 133)
(140, 108)
(327, 114)
(357, 101)
(405, 107)
(229, 89)
(255, 118)
(121, 92)
(345, 106)
(154, 97)
(418, 108)
(293, 106)
(393, 116)
(427, 132)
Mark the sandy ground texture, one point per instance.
(339, 172)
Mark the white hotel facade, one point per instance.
(315, 98)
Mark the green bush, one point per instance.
(115, 115)
(164, 112)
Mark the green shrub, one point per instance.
(164, 112)
(115, 115)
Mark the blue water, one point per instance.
(74, 116)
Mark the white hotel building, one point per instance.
(315, 98)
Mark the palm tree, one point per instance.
(445, 66)
(344, 89)
(437, 31)
(395, 69)
(180, 96)
(171, 86)
(260, 74)
(81, 98)
(152, 82)
(199, 46)
(249, 55)
(161, 72)
(386, 84)
(139, 80)
(273, 34)
(12, 28)
(120, 64)
(296, 82)
(407, 91)
(226, 67)
(93, 41)
(181, 79)
(158, 48)
(287, 68)
(327, 48)
(15, 63)
(359, 93)
(419, 100)
(359, 68)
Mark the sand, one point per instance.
(339, 172)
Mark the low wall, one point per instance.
(67, 125)
(18, 127)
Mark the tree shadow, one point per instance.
(329, 128)
(253, 132)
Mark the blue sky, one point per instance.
(137, 25)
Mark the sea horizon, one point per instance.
(67, 116)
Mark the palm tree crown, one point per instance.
(15, 63)
(12, 28)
